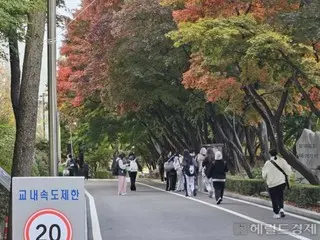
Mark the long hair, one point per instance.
(210, 154)
(186, 156)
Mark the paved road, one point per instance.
(152, 214)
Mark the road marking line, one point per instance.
(232, 212)
(269, 208)
(94, 218)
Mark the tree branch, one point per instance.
(283, 101)
(261, 100)
(306, 96)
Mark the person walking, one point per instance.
(160, 164)
(86, 170)
(180, 177)
(209, 158)
(217, 171)
(71, 165)
(171, 174)
(189, 170)
(275, 172)
(134, 167)
(122, 173)
(200, 157)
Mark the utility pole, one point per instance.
(43, 117)
(52, 84)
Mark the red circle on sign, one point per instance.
(43, 212)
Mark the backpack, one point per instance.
(133, 166)
(190, 169)
(115, 167)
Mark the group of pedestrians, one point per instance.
(123, 168)
(72, 167)
(189, 172)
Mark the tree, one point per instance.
(237, 53)
(25, 87)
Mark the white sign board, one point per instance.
(5, 179)
(308, 150)
(48, 208)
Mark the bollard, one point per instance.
(5, 230)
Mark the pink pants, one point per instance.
(122, 184)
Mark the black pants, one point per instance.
(171, 180)
(86, 174)
(133, 176)
(218, 189)
(276, 195)
(161, 171)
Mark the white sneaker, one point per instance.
(123, 194)
(219, 201)
(277, 216)
(210, 194)
(282, 214)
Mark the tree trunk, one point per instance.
(26, 108)
(275, 130)
(263, 139)
(250, 146)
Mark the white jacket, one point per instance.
(272, 175)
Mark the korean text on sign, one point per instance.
(49, 194)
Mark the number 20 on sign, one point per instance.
(48, 224)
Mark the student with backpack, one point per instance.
(217, 171)
(171, 174)
(189, 170)
(134, 167)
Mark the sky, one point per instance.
(71, 5)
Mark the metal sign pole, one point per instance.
(52, 84)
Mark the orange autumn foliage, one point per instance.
(215, 87)
(196, 9)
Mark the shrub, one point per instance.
(303, 194)
(103, 175)
(257, 173)
(245, 186)
(300, 194)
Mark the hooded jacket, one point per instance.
(201, 157)
(218, 168)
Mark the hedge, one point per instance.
(301, 194)
(103, 175)
(244, 186)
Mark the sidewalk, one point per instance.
(259, 201)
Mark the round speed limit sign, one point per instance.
(48, 224)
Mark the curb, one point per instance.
(289, 208)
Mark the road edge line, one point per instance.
(230, 212)
(265, 204)
(96, 232)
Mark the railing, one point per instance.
(5, 179)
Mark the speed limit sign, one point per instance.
(48, 224)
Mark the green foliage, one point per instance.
(245, 186)
(41, 164)
(300, 194)
(257, 173)
(7, 139)
(103, 175)
(303, 194)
